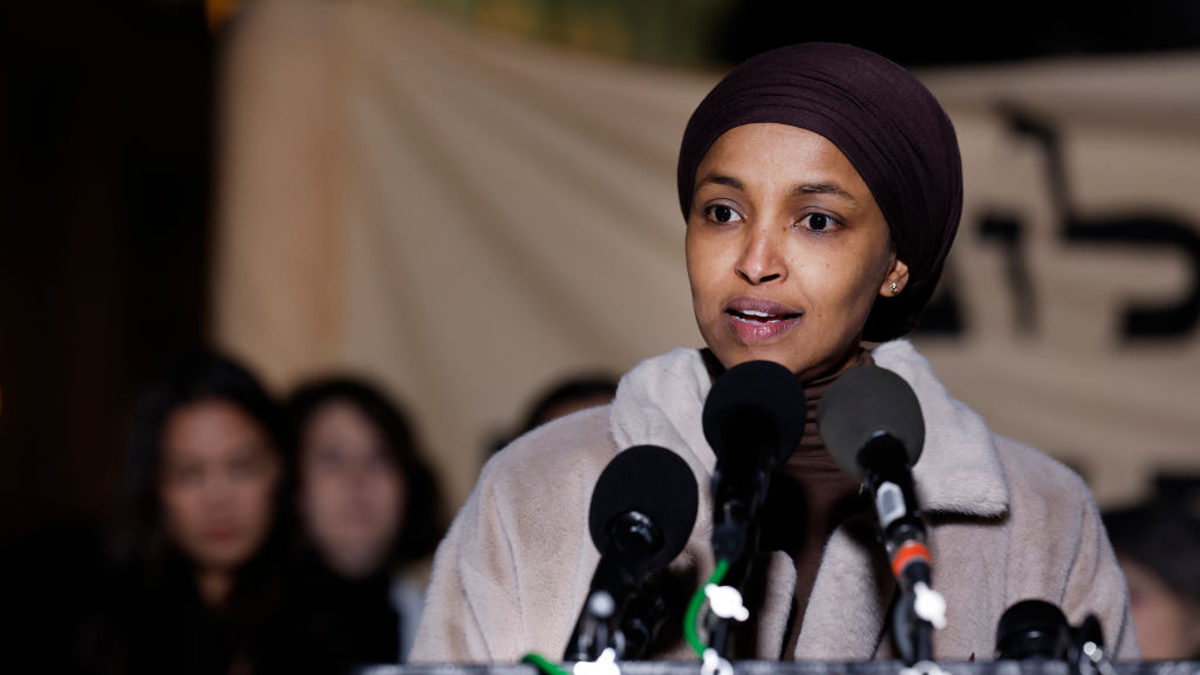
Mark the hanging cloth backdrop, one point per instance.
(466, 217)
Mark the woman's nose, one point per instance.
(762, 259)
(217, 489)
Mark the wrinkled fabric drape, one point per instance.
(467, 217)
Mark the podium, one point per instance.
(1031, 667)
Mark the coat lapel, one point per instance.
(845, 615)
(959, 469)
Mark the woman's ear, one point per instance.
(896, 279)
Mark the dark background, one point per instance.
(106, 166)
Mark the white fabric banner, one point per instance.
(466, 218)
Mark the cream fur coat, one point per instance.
(1007, 524)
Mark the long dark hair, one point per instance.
(423, 523)
(142, 541)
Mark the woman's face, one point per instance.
(352, 493)
(786, 250)
(217, 483)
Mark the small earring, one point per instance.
(895, 288)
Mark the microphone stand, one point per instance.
(912, 631)
(598, 627)
(593, 632)
(736, 541)
(620, 575)
(901, 528)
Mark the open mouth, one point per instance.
(756, 319)
(758, 316)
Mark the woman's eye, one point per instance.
(244, 468)
(819, 222)
(187, 474)
(327, 460)
(380, 458)
(723, 214)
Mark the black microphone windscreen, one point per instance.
(1032, 628)
(864, 403)
(654, 482)
(752, 402)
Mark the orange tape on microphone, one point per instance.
(909, 552)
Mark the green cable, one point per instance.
(690, 629)
(543, 664)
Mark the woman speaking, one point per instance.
(821, 187)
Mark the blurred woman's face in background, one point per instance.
(217, 483)
(1167, 627)
(352, 494)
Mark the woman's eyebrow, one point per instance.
(722, 180)
(801, 189)
(823, 189)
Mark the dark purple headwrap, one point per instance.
(883, 120)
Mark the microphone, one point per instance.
(753, 419)
(1032, 629)
(642, 513)
(871, 423)
(1036, 629)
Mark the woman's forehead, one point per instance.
(790, 160)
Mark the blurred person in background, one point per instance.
(1158, 547)
(568, 395)
(368, 507)
(197, 576)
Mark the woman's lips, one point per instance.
(223, 534)
(755, 320)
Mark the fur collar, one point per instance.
(660, 402)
